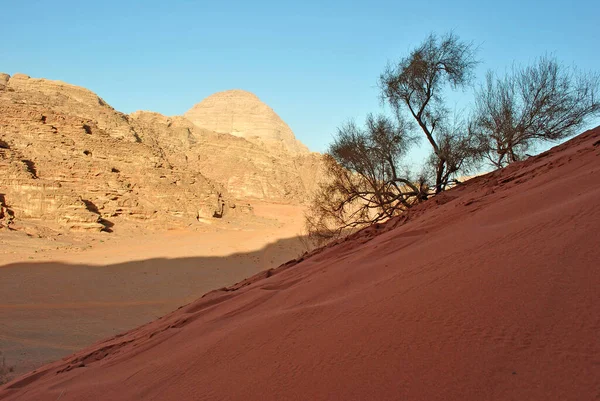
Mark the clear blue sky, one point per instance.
(316, 63)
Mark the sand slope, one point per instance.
(54, 302)
(487, 292)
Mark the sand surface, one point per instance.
(60, 294)
(486, 292)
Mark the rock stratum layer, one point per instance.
(488, 291)
(66, 156)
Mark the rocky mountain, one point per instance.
(243, 114)
(68, 158)
(245, 170)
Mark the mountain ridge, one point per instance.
(74, 161)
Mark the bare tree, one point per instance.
(543, 102)
(416, 84)
(366, 182)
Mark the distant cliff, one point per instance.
(69, 158)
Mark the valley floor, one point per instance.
(61, 293)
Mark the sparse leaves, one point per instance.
(415, 85)
(543, 102)
(366, 182)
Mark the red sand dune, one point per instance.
(490, 291)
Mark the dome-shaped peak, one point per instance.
(241, 93)
(242, 113)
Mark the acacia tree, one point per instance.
(366, 181)
(416, 84)
(543, 102)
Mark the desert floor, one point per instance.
(488, 291)
(61, 293)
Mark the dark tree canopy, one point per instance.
(543, 102)
(367, 182)
(416, 84)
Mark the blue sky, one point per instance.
(315, 63)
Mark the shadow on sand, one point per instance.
(50, 310)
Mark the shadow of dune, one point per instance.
(51, 309)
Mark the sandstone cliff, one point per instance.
(69, 158)
(245, 170)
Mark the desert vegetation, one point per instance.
(546, 101)
(367, 182)
(369, 179)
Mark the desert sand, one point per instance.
(60, 295)
(486, 292)
(110, 220)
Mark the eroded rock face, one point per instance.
(68, 157)
(243, 114)
(71, 100)
(3, 80)
(245, 170)
(6, 215)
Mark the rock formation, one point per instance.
(243, 114)
(69, 158)
(6, 215)
(245, 170)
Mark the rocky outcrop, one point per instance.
(245, 170)
(68, 157)
(4, 80)
(243, 114)
(6, 215)
(70, 100)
